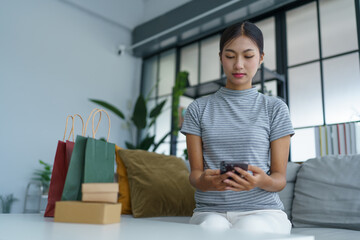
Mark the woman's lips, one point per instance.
(238, 75)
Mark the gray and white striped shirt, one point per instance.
(237, 125)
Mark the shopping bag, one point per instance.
(92, 161)
(60, 167)
(99, 157)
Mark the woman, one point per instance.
(238, 123)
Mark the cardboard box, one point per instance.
(85, 212)
(100, 192)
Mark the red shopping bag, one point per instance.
(60, 168)
(61, 164)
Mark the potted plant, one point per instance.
(142, 119)
(43, 175)
(6, 203)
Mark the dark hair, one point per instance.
(247, 29)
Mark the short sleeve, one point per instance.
(280, 125)
(191, 124)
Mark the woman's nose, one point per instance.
(239, 64)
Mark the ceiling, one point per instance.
(126, 13)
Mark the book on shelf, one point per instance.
(341, 139)
(334, 140)
(357, 137)
(347, 138)
(317, 141)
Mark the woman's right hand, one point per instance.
(204, 180)
(211, 180)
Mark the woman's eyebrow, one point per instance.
(245, 51)
(248, 50)
(230, 50)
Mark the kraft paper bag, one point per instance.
(92, 161)
(60, 168)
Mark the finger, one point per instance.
(238, 178)
(233, 186)
(224, 176)
(254, 169)
(243, 173)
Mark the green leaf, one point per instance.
(44, 163)
(140, 112)
(152, 122)
(157, 109)
(130, 145)
(161, 141)
(147, 142)
(109, 107)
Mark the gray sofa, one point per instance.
(322, 197)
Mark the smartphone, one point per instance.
(228, 166)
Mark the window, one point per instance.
(163, 122)
(166, 72)
(149, 77)
(322, 70)
(302, 34)
(342, 86)
(209, 59)
(330, 79)
(305, 101)
(338, 22)
(189, 61)
(303, 145)
(267, 27)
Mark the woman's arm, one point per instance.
(274, 182)
(208, 180)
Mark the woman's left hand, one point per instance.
(247, 180)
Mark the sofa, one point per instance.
(321, 198)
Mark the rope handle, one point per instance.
(94, 131)
(87, 121)
(73, 123)
(72, 129)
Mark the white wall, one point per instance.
(53, 57)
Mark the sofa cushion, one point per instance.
(327, 193)
(122, 179)
(287, 194)
(159, 184)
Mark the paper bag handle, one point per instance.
(67, 120)
(73, 123)
(87, 121)
(94, 131)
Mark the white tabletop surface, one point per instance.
(35, 226)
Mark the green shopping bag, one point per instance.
(92, 161)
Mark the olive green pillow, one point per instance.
(159, 184)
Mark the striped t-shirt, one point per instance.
(237, 125)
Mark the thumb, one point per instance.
(254, 169)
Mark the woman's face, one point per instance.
(240, 59)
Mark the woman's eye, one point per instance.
(229, 57)
(249, 56)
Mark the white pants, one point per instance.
(259, 221)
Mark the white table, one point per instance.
(36, 227)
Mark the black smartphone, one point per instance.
(228, 166)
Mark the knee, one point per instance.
(250, 224)
(262, 225)
(213, 222)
